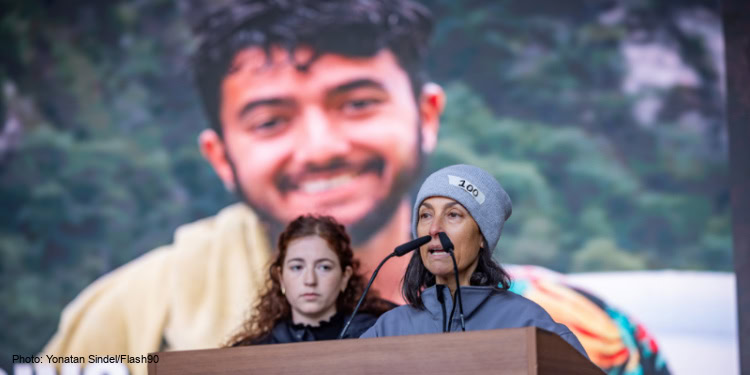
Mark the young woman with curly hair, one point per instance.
(313, 286)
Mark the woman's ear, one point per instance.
(482, 242)
(345, 278)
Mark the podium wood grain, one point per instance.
(510, 351)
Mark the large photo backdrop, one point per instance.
(604, 121)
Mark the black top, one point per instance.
(287, 332)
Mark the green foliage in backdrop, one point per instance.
(106, 165)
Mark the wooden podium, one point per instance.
(519, 351)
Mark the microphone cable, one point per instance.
(400, 250)
(458, 293)
(447, 245)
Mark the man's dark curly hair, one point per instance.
(353, 28)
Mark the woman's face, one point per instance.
(312, 277)
(440, 214)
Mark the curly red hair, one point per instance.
(273, 307)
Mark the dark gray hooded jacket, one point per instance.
(484, 308)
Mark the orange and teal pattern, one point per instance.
(613, 341)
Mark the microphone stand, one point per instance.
(400, 250)
(362, 298)
(458, 293)
(447, 245)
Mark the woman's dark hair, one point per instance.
(273, 307)
(417, 277)
(354, 28)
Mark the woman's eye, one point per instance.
(295, 267)
(424, 215)
(454, 214)
(325, 267)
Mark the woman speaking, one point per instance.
(470, 207)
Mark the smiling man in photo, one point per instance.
(308, 121)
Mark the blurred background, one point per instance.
(604, 120)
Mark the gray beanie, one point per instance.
(476, 190)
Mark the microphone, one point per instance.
(447, 245)
(400, 250)
(404, 249)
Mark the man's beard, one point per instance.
(363, 229)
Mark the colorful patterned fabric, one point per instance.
(614, 342)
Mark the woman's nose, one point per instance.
(309, 277)
(436, 227)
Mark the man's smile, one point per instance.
(320, 185)
(314, 180)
